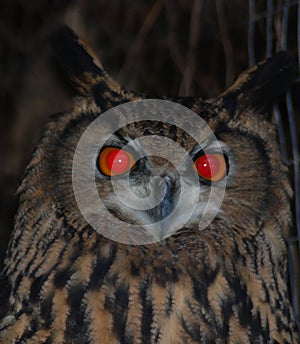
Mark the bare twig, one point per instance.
(284, 26)
(137, 44)
(270, 10)
(227, 46)
(298, 35)
(172, 38)
(251, 29)
(190, 64)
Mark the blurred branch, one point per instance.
(190, 65)
(269, 28)
(172, 36)
(226, 42)
(251, 29)
(139, 40)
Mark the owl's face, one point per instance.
(159, 171)
(155, 179)
(144, 177)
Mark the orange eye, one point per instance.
(115, 161)
(211, 167)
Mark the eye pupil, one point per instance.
(117, 161)
(211, 166)
(207, 165)
(114, 161)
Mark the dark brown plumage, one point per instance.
(63, 282)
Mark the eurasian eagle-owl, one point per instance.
(159, 277)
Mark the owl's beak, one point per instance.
(163, 186)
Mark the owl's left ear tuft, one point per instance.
(85, 70)
(261, 85)
(77, 60)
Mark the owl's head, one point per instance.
(140, 170)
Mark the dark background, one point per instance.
(161, 47)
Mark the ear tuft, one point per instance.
(77, 60)
(85, 70)
(261, 85)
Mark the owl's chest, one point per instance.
(161, 304)
(141, 304)
(180, 299)
(162, 297)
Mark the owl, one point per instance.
(152, 220)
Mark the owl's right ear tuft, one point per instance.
(85, 70)
(261, 85)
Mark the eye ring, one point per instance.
(211, 166)
(114, 161)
